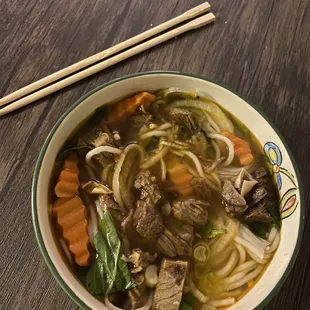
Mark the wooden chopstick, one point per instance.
(200, 9)
(196, 23)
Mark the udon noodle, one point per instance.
(163, 200)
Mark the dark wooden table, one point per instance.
(259, 48)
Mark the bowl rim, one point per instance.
(36, 173)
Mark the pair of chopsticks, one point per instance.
(98, 62)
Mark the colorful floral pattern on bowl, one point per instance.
(288, 197)
(286, 172)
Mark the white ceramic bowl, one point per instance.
(286, 172)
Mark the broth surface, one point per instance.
(162, 190)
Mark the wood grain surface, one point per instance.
(259, 48)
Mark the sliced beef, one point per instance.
(258, 213)
(234, 210)
(176, 239)
(260, 204)
(262, 177)
(138, 261)
(256, 195)
(184, 119)
(138, 121)
(137, 297)
(201, 188)
(191, 211)
(231, 195)
(169, 289)
(259, 173)
(146, 184)
(263, 199)
(262, 182)
(165, 245)
(147, 219)
(233, 202)
(98, 135)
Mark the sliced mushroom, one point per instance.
(96, 188)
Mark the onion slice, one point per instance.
(157, 133)
(229, 144)
(196, 161)
(101, 149)
(119, 171)
(66, 250)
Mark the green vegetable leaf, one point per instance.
(107, 227)
(95, 279)
(185, 306)
(242, 129)
(108, 263)
(274, 212)
(152, 144)
(208, 232)
(259, 230)
(108, 271)
(190, 300)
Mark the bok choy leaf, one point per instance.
(108, 272)
(96, 279)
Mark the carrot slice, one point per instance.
(246, 159)
(70, 163)
(70, 212)
(240, 151)
(82, 258)
(66, 189)
(76, 232)
(127, 107)
(179, 175)
(242, 148)
(76, 215)
(63, 206)
(68, 180)
(72, 222)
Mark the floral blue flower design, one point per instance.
(288, 202)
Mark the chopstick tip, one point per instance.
(199, 9)
(203, 20)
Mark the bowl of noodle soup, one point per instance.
(164, 176)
